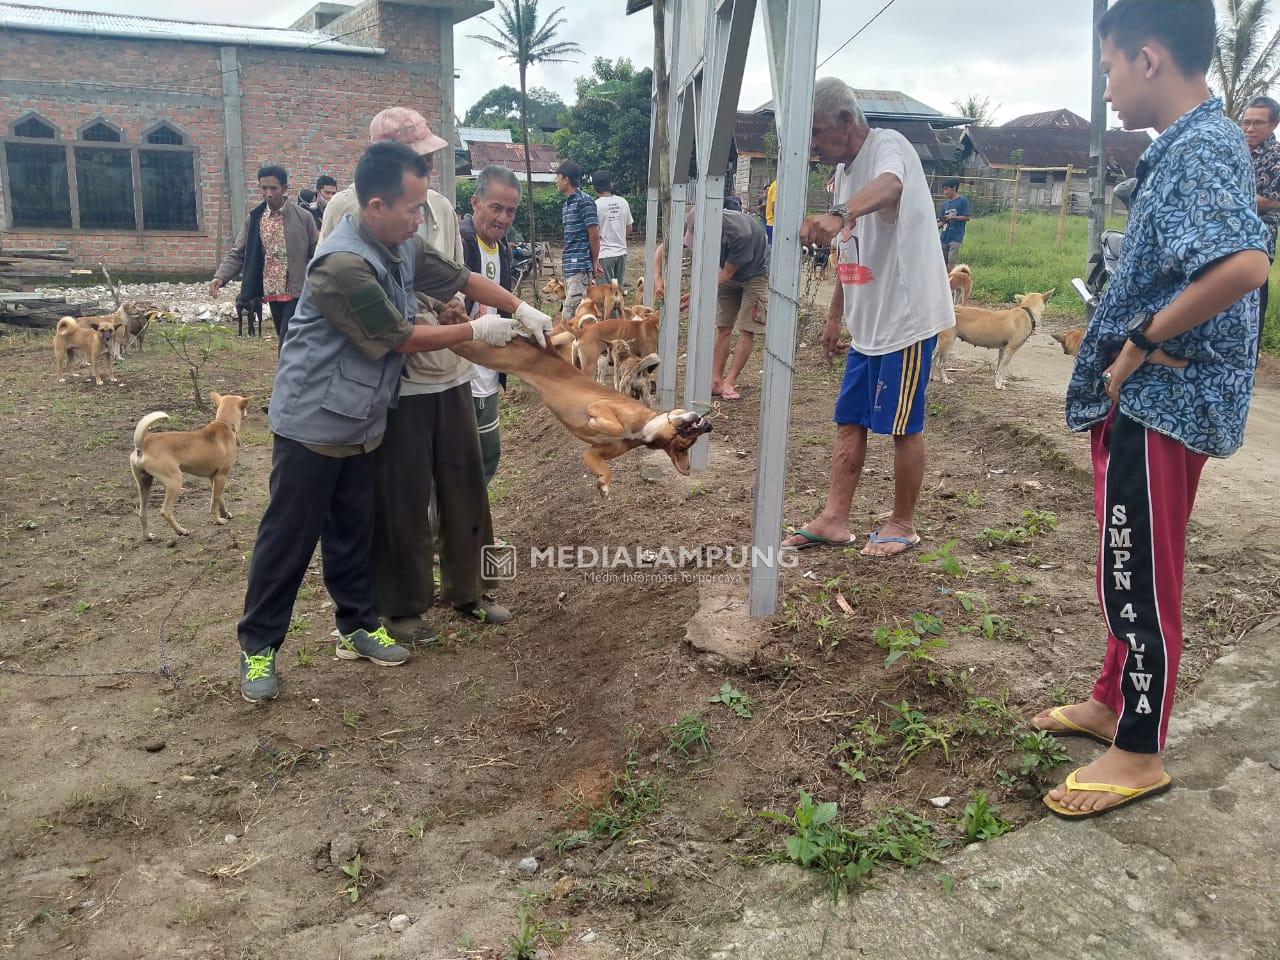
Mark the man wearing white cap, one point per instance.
(432, 446)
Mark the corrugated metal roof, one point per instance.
(1059, 119)
(483, 135)
(1053, 147)
(14, 16)
(892, 105)
(542, 156)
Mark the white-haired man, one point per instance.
(894, 301)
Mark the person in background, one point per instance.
(614, 216)
(1259, 124)
(272, 251)
(316, 200)
(770, 205)
(954, 219)
(486, 252)
(580, 261)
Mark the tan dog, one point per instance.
(640, 290)
(633, 376)
(554, 289)
(209, 452)
(609, 422)
(1070, 340)
(1003, 330)
(604, 296)
(641, 335)
(94, 339)
(961, 282)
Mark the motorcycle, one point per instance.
(1103, 261)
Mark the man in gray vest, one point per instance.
(338, 374)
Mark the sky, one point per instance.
(1025, 56)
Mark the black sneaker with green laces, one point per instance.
(258, 676)
(377, 645)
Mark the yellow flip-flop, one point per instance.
(1130, 795)
(1073, 729)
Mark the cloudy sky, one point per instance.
(1025, 56)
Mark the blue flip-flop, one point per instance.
(813, 540)
(874, 537)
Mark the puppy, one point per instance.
(253, 310)
(210, 452)
(1003, 330)
(554, 289)
(1070, 340)
(641, 336)
(610, 423)
(961, 282)
(94, 338)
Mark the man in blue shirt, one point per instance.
(955, 216)
(1162, 381)
(581, 258)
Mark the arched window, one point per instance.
(101, 132)
(34, 128)
(35, 173)
(165, 134)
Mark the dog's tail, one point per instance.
(66, 325)
(648, 364)
(961, 268)
(143, 426)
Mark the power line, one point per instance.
(856, 33)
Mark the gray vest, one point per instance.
(326, 391)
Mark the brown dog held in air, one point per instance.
(603, 418)
(94, 339)
(960, 279)
(209, 452)
(1070, 340)
(1003, 330)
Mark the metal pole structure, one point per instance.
(1098, 147)
(792, 58)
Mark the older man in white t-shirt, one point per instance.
(892, 298)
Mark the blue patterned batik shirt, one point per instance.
(1194, 205)
(579, 213)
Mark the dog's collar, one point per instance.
(1032, 316)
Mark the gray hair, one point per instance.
(1266, 103)
(831, 97)
(496, 173)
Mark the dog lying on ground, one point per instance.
(94, 338)
(1003, 330)
(960, 279)
(1070, 340)
(252, 309)
(209, 452)
(608, 422)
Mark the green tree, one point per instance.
(519, 35)
(608, 126)
(499, 109)
(979, 109)
(1246, 58)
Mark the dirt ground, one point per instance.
(147, 811)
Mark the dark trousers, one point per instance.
(313, 498)
(431, 444)
(1262, 311)
(281, 314)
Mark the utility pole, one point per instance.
(1098, 146)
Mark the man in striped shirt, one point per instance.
(581, 258)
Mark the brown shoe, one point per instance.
(486, 611)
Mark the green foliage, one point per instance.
(357, 880)
(917, 732)
(499, 109)
(735, 700)
(857, 755)
(195, 344)
(689, 740)
(1034, 523)
(915, 642)
(608, 126)
(1041, 752)
(632, 801)
(844, 856)
(981, 821)
(944, 559)
(524, 943)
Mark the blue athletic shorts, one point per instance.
(885, 394)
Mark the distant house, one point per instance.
(469, 135)
(923, 126)
(542, 157)
(1055, 140)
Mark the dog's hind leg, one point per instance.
(1002, 359)
(217, 512)
(172, 488)
(143, 481)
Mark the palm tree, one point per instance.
(521, 38)
(1246, 61)
(979, 110)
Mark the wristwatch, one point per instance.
(1138, 336)
(839, 210)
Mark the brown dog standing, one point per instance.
(209, 452)
(94, 339)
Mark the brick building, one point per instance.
(135, 141)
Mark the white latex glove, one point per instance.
(495, 330)
(535, 321)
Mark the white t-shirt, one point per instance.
(485, 383)
(614, 214)
(890, 266)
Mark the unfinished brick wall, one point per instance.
(307, 111)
